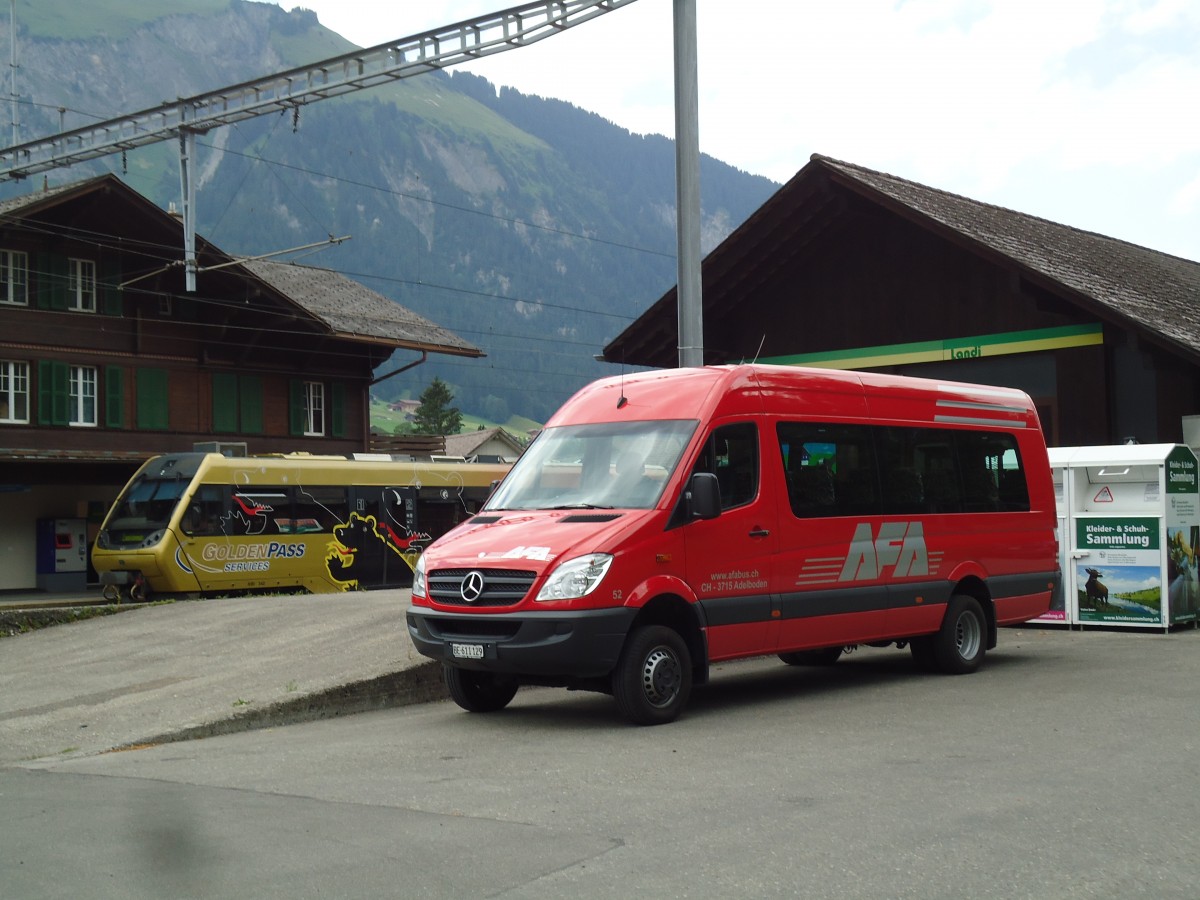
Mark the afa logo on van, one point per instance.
(892, 550)
(898, 547)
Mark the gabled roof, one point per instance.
(354, 312)
(342, 307)
(28, 203)
(1153, 293)
(468, 443)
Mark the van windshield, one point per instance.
(600, 466)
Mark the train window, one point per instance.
(317, 509)
(205, 515)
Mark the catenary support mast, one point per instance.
(183, 119)
(688, 295)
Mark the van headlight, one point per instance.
(576, 577)
(418, 587)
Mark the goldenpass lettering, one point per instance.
(218, 552)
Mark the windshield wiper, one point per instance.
(581, 506)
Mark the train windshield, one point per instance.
(598, 466)
(145, 507)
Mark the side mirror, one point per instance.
(704, 496)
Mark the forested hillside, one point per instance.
(532, 228)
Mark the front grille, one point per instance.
(501, 587)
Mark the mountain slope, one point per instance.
(532, 228)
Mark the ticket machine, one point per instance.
(62, 554)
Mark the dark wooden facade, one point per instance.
(844, 263)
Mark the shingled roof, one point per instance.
(1153, 293)
(354, 312)
(347, 309)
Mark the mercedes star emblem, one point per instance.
(472, 586)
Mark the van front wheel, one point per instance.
(959, 646)
(653, 678)
(479, 691)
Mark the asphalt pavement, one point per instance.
(158, 673)
(167, 672)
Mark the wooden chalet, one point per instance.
(105, 359)
(852, 268)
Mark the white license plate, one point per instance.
(466, 651)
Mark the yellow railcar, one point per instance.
(202, 523)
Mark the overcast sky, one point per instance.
(1086, 112)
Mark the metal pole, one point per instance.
(687, 187)
(12, 54)
(187, 186)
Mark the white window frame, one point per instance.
(14, 387)
(83, 396)
(14, 278)
(314, 409)
(81, 285)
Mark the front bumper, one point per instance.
(575, 644)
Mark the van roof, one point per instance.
(690, 393)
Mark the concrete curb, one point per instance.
(14, 622)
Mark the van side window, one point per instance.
(830, 469)
(732, 455)
(918, 469)
(855, 470)
(993, 478)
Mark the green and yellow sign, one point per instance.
(949, 349)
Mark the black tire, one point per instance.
(826, 656)
(922, 653)
(960, 645)
(653, 678)
(479, 691)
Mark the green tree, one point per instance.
(435, 415)
(495, 409)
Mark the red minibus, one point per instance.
(668, 520)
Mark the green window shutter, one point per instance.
(296, 406)
(52, 280)
(337, 409)
(45, 392)
(110, 287)
(251, 403)
(152, 408)
(53, 392)
(225, 402)
(114, 397)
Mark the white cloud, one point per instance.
(991, 98)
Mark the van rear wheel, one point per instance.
(922, 653)
(479, 691)
(653, 678)
(959, 646)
